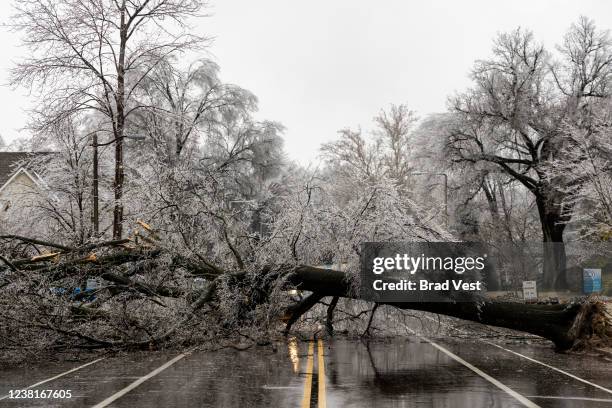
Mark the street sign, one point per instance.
(530, 293)
(591, 280)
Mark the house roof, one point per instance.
(11, 162)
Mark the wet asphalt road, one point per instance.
(409, 372)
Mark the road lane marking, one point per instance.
(136, 383)
(484, 375)
(551, 367)
(56, 377)
(571, 398)
(308, 383)
(498, 384)
(322, 399)
(575, 377)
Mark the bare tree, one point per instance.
(588, 157)
(395, 128)
(514, 114)
(184, 105)
(353, 153)
(93, 55)
(387, 152)
(64, 201)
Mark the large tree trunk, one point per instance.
(554, 257)
(566, 326)
(119, 130)
(493, 280)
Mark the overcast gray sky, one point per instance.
(322, 65)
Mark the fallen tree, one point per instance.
(569, 326)
(572, 325)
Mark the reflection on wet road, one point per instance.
(407, 372)
(413, 373)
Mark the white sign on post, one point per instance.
(530, 293)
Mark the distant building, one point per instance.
(17, 181)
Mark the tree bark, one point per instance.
(119, 129)
(329, 322)
(96, 210)
(300, 308)
(493, 279)
(554, 256)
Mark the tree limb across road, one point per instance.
(566, 325)
(569, 326)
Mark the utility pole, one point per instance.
(118, 184)
(96, 211)
(119, 126)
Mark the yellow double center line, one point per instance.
(308, 383)
(321, 398)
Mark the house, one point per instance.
(17, 181)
